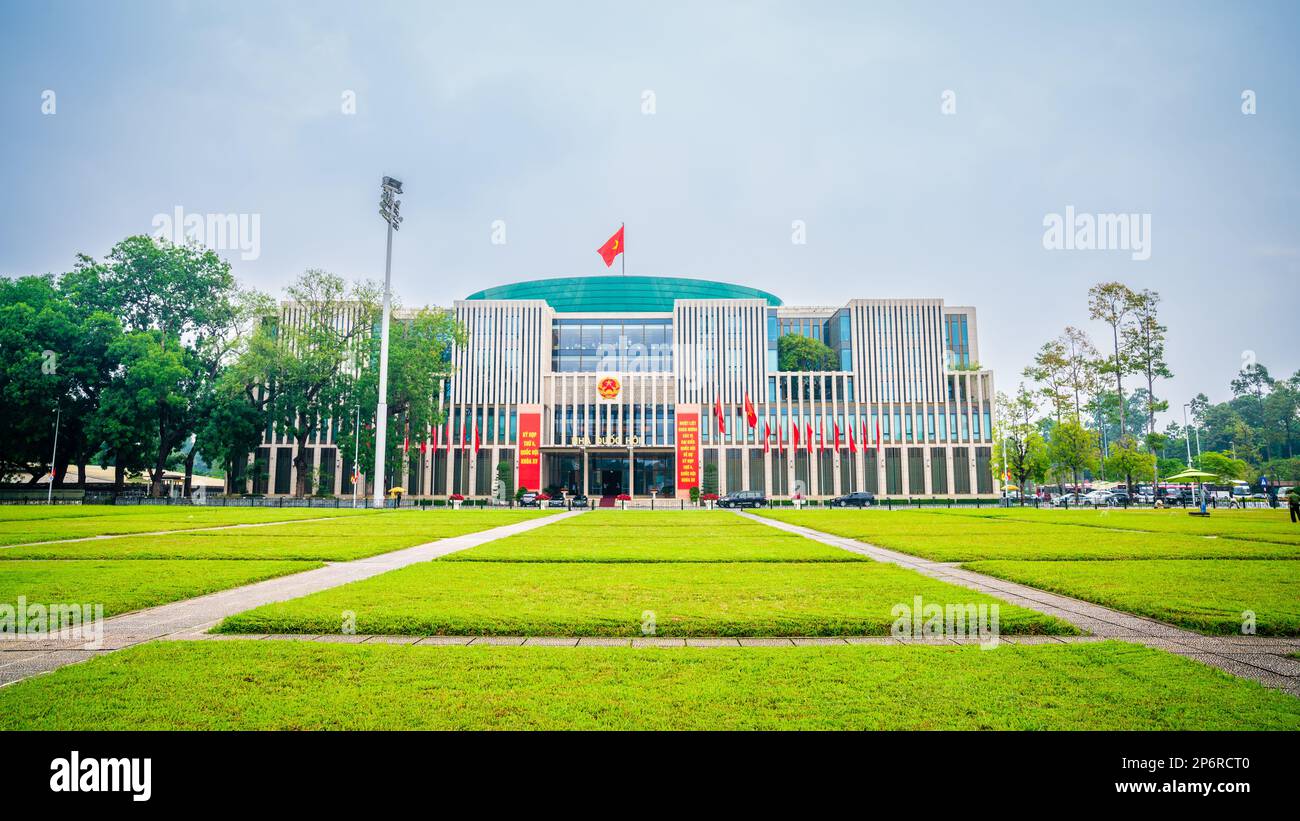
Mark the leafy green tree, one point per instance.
(1144, 348)
(419, 360)
(1072, 449)
(1050, 368)
(186, 297)
(795, 352)
(53, 355)
(709, 479)
(1224, 465)
(1127, 458)
(1113, 303)
(1021, 451)
(505, 479)
(298, 363)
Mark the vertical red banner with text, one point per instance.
(688, 450)
(530, 451)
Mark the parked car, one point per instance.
(863, 498)
(578, 501)
(557, 501)
(1119, 498)
(529, 500)
(1097, 498)
(1071, 499)
(743, 498)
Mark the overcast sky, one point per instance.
(764, 114)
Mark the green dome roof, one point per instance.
(621, 293)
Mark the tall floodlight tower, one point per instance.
(390, 208)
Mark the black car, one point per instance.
(557, 501)
(1119, 498)
(529, 500)
(578, 501)
(862, 498)
(743, 498)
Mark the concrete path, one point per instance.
(1256, 657)
(20, 658)
(103, 536)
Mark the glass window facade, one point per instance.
(624, 345)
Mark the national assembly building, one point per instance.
(646, 387)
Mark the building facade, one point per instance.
(649, 386)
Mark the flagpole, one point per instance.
(623, 227)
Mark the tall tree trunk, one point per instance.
(119, 474)
(189, 469)
(1119, 383)
(300, 457)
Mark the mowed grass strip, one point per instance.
(123, 586)
(278, 685)
(958, 537)
(333, 540)
(1264, 525)
(1205, 595)
(43, 524)
(656, 536)
(621, 599)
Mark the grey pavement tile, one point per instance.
(603, 641)
(817, 641)
(392, 640)
(342, 638)
(870, 640)
(766, 642)
(503, 641)
(712, 642)
(656, 641)
(288, 636)
(551, 641)
(1031, 639)
(1274, 664)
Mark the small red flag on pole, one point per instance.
(750, 415)
(767, 436)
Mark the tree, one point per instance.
(419, 359)
(1144, 348)
(1072, 449)
(54, 355)
(299, 360)
(795, 352)
(186, 297)
(1021, 451)
(1082, 363)
(709, 478)
(1254, 381)
(1051, 369)
(1112, 303)
(505, 479)
(1127, 458)
(1224, 465)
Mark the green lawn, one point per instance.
(946, 536)
(123, 586)
(1267, 525)
(1205, 595)
(655, 536)
(39, 523)
(278, 685)
(334, 540)
(594, 599)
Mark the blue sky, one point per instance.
(765, 113)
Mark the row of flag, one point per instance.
(751, 418)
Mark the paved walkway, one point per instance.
(102, 536)
(1260, 658)
(20, 658)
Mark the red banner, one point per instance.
(688, 450)
(530, 451)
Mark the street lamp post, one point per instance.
(356, 457)
(1187, 435)
(390, 208)
(58, 413)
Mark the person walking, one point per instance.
(1293, 503)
